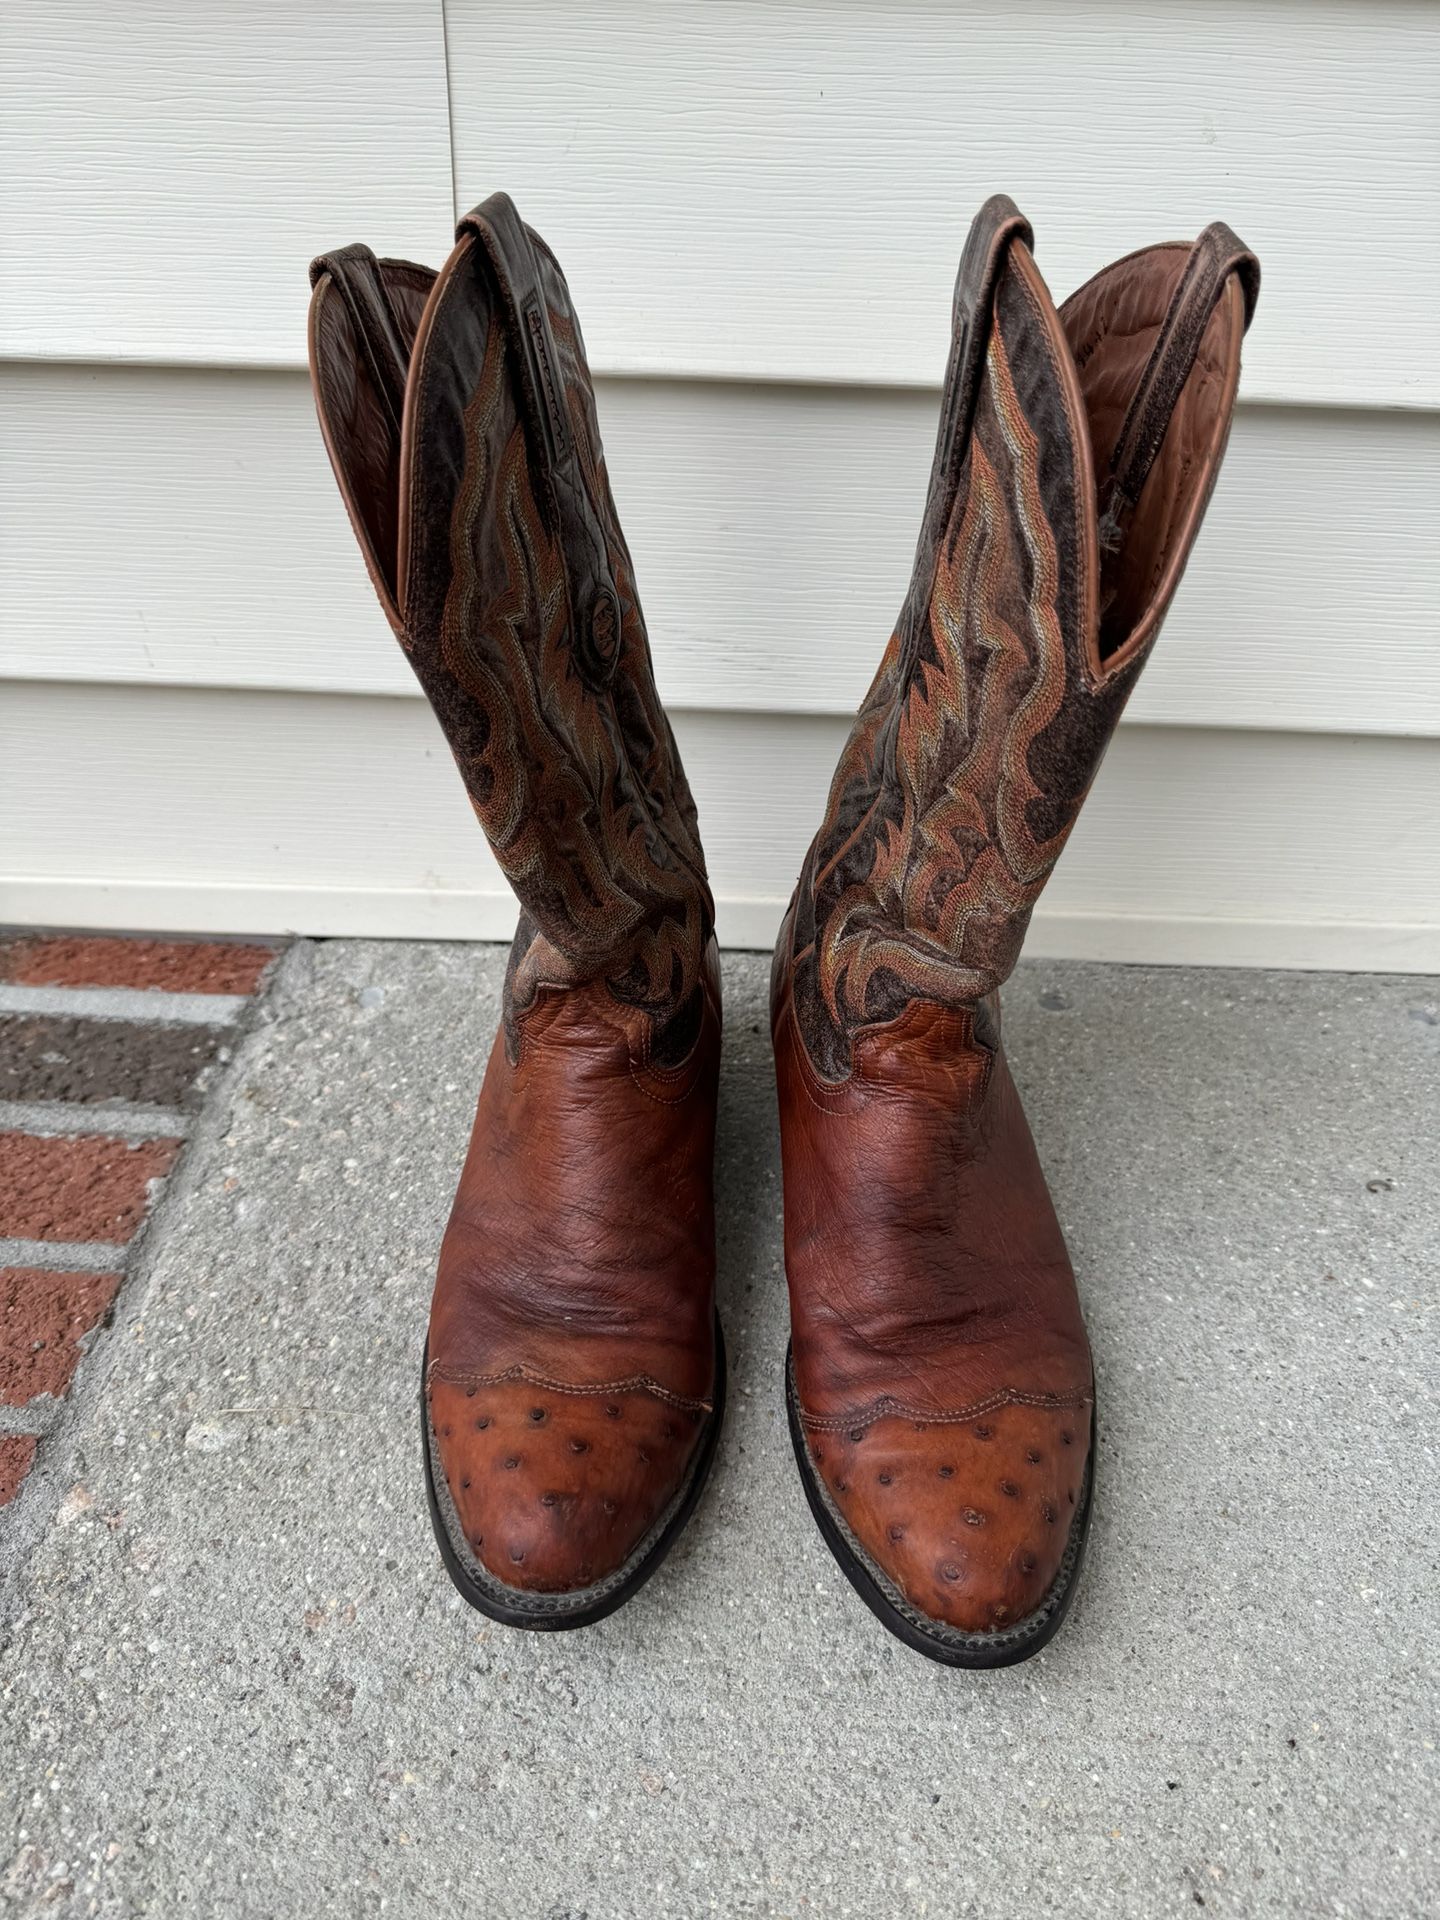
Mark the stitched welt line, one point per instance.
(887, 1407)
(636, 1383)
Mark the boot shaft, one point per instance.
(1076, 453)
(460, 419)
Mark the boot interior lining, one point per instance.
(365, 446)
(1112, 325)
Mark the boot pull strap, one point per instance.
(987, 247)
(514, 256)
(1217, 254)
(355, 274)
(997, 224)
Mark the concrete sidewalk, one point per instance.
(237, 1682)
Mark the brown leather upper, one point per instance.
(940, 1355)
(571, 1350)
(941, 1364)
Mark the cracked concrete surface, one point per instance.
(237, 1681)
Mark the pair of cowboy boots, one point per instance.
(940, 1388)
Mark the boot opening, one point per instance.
(358, 382)
(1112, 325)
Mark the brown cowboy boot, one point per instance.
(574, 1374)
(940, 1386)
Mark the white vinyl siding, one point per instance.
(169, 169)
(772, 530)
(1198, 842)
(780, 188)
(206, 722)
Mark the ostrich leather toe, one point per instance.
(554, 1490)
(968, 1520)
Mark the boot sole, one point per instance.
(951, 1646)
(582, 1606)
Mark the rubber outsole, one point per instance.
(951, 1646)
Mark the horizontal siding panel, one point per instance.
(339, 814)
(759, 190)
(183, 527)
(780, 188)
(167, 169)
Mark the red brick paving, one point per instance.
(81, 1188)
(88, 1188)
(179, 966)
(17, 1450)
(43, 1318)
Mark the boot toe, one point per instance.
(552, 1491)
(971, 1520)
